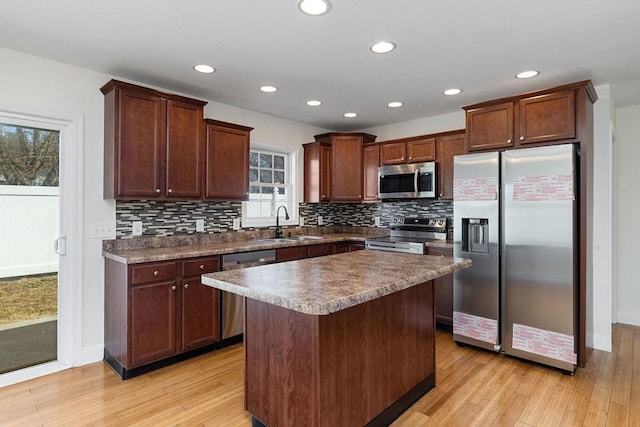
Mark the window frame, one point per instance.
(291, 172)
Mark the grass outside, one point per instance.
(28, 298)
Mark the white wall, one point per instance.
(626, 208)
(30, 84)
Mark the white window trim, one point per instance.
(294, 165)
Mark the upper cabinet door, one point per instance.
(421, 150)
(490, 127)
(448, 147)
(371, 160)
(227, 174)
(184, 150)
(548, 117)
(138, 134)
(393, 153)
(346, 164)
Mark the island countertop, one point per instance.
(325, 285)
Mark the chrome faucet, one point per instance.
(286, 216)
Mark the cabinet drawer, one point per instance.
(195, 267)
(291, 254)
(440, 252)
(152, 272)
(321, 249)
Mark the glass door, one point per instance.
(29, 225)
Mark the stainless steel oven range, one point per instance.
(408, 235)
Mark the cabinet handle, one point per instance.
(170, 191)
(410, 157)
(173, 288)
(403, 158)
(158, 190)
(186, 286)
(509, 141)
(201, 266)
(440, 195)
(359, 196)
(522, 138)
(155, 273)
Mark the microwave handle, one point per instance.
(415, 181)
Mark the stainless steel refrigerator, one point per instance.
(515, 217)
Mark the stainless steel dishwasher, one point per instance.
(232, 305)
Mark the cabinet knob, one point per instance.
(410, 157)
(359, 196)
(323, 196)
(186, 286)
(522, 138)
(155, 273)
(201, 266)
(403, 158)
(509, 141)
(441, 195)
(173, 288)
(158, 190)
(170, 191)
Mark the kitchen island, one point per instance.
(344, 339)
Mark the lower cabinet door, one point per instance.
(200, 314)
(153, 322)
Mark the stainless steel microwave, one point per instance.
(411, 181)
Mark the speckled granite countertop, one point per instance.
(332, 283)
(151, 254)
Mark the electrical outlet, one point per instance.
(376, 221)
(301, 222)
(200, 225)
(136, 228)
(320, 220)
(103, 231)
(236, 223)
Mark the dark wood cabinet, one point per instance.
(157, 310)
(347, 172)
(153, 321)
(448, 146)
(291, 254)
(317, 172)
(334, 167)
(371, 160)
(490, 128)
(443, 293)
(153, 145)
(227, 161)
(356, 246)
(408, 150)
(543, 118)
(321, 249)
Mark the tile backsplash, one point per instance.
(170, 218)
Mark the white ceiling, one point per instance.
(477, 46)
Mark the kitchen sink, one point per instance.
(288, 239)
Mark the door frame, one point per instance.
(69, 327)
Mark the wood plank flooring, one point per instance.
(474, 388)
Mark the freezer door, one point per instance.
(476, 237)
(539, 232)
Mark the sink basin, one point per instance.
(298, 238)
(288, 239)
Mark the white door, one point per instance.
(39, 280)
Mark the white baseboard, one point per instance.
(31, 372)
(92, 354)
(629, 318)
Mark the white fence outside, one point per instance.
(29, 226)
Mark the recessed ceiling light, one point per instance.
(395, 104)
(350, 115)
(382, 47)
(314, 7)
(527, 74)
(452, 91)
(203, 68)
(268, 89)
(313, 103)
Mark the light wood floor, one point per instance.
(473, 388)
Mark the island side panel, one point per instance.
(339, 369)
